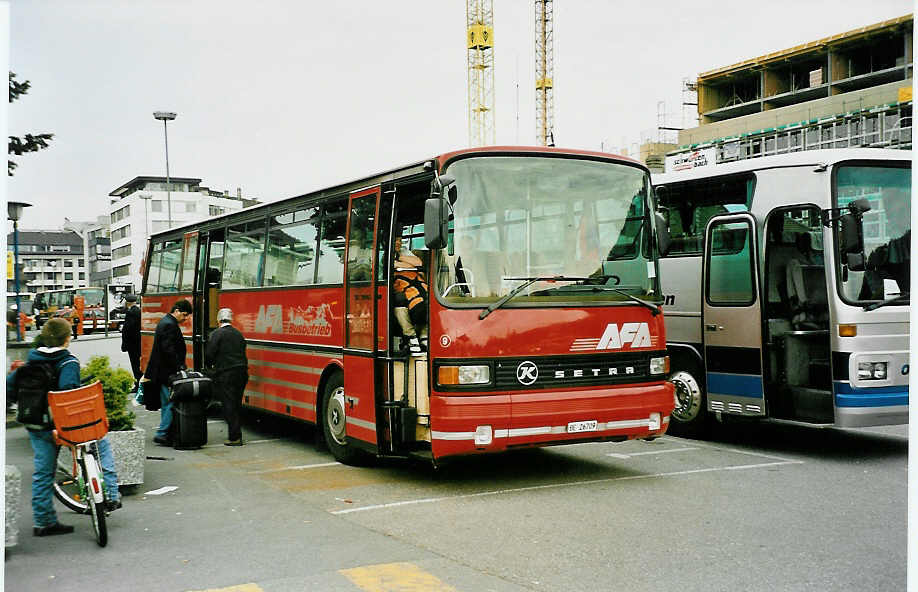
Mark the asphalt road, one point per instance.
(759, 507)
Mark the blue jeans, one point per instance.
(45, 462)
(165, 413)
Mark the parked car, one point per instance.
(94, 320)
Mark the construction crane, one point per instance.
(544, 69)
(480, 45)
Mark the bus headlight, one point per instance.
(872, 370)
(463, 375)
(659, 365)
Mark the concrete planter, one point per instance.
(130, 453)
(129, 450)
(13, 496)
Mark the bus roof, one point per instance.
(403, 172)
(826, 157)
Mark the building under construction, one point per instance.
(853, 89)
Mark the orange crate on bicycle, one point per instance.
(79, 414)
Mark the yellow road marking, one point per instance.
(239, 588)
(395, 577)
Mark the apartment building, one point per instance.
(144, 206)
(48, 260)
(853, 89)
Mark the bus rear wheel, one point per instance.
(690, 416)
(334, 421)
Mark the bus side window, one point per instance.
(244, 257)
(690, 205)
(153, 269)
(331, 244)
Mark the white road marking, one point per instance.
(247, 442)
(557, 485)
(296, 468)
(617, 455)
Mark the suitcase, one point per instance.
(189, 385)
(189, 424)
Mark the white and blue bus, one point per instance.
(786, 282)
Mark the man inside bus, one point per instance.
(891, 260)
(409, 297)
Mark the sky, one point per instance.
(282, 97)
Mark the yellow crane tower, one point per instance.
(544, 67)
(480, 44)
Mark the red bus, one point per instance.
(542, 305)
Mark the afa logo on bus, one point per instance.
(635, 335)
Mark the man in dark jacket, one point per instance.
(130, 336)
(54, 338)
(166, 358)
(225, 353)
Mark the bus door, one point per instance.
(360, 317)
(732, 316)
(189, 283)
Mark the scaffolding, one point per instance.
(544, 72)
(480, 57)
(883, 126)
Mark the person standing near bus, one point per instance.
(166, 358)
(225, 353)
(130, 336)
(78, 315)
(52, 350)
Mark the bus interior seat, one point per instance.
(806, 286)
(780, 252)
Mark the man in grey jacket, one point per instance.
(225, 354)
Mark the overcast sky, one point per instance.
(283, 97)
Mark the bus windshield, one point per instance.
(571, 229)
(886, 232)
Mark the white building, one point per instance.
(141, 207)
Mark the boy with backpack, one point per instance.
(52, 367)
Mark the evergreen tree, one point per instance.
(29, 142)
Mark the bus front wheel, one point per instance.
(334, 421)
(690, 416)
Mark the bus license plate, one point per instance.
(581, 426)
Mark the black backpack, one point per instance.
(33, 381)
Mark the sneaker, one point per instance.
(233, 442)
(111, 506)
(56, 528)
(162, 441)
(414, 346)
(424, 345)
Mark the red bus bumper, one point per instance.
(469, 424)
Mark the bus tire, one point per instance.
(334, 421)
(690, 417)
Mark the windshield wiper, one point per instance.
(654, 309)
(887, 302)
(529, 281)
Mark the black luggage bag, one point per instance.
(189, 424)
(189, 385)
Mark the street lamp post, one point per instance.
(166, 116)
(14, 212)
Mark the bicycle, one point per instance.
(83, 489)
(79, 422)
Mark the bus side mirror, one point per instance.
(664, 237)
(852, 242)
(851, 234)
(436, 222)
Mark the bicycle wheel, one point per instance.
(68, 491)
(96, 510)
